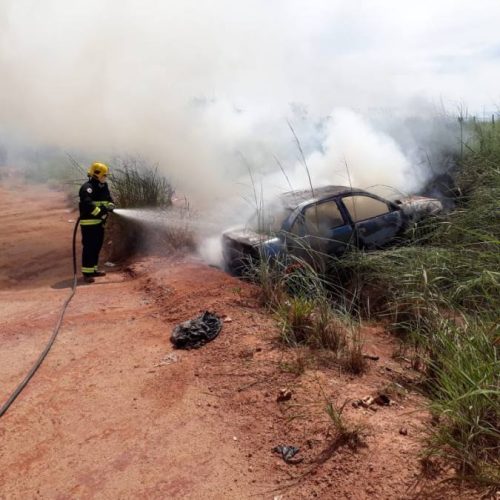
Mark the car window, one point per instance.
(320, 218)
(269, 219)
(364, 207)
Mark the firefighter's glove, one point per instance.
(103, 214)
(110, 207)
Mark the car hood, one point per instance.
(417, 207)
(245, 235)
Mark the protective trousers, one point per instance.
(92, 240)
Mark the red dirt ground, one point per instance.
(115, 412)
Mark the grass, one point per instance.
(352, 359)
(441, 293)
(329, 327)
(299, 297)
(463, 382)
(347, 434)
(295, 315)
(137, 184)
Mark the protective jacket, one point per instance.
(93, 196)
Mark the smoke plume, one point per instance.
(206, 88)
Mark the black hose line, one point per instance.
(44, 353)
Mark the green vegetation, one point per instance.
(136, 184)
(347, 434)
(301, 299)
(463, 382)
(139, 185)
(440, 292)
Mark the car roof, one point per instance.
(292, 199)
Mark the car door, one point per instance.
(322, 228)
(376, 221)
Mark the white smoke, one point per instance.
(353, 154)
(205, 88)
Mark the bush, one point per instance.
(136, 184)
(157, 226)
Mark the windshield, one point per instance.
(268, 220)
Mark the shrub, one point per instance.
(157, 226)
(136, 184)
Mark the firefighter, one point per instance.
(95, 204)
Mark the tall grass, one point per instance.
(300, 298)
(137, 184)
(464, 386)
(442, 293)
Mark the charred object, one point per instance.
(312, 225)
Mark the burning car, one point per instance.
(325, 222)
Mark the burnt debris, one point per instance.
(196, 332)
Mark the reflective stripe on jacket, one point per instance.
(90, 222)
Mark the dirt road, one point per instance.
(103, 416)
(114, 412)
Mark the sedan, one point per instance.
(315, 224)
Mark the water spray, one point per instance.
(174, 221)
(170, 218)
(121, 211)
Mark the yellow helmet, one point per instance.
(98, 171)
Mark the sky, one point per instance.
(200, 85)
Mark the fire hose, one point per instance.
(44, 353)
